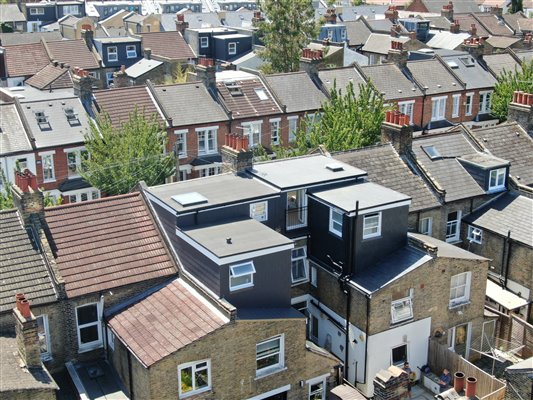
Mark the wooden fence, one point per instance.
(487, 388)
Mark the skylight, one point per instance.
(452, 64)
(432, 152)
(233, 87)
(468, 61)
(189, 199)
(335, 167)
(261, 94)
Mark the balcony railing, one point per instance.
(296, 217)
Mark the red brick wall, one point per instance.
(449, 107)
(60, 166)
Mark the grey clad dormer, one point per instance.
(488, 171)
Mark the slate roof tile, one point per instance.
(296, 91)
(390, 80)
(170, 45)
(51, 77)
(25, 59)
(14, 38)
(497, 63)
(341, 78)
(75, 53)
(466, 21)
(435, 76)
(13, 137)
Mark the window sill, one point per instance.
(238, 288)
(403, 321)
(90, 348)
(293, 284)
(457, 306)
(372, 237)
(262, 375)
(192, 393)
(49, 180)
(454, 241)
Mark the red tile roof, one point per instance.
(75, 53)
(165, 322)
(25, 59)
(106, 243)
(170, 45)
(51, 77)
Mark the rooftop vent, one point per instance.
(234, 88)
(189, 199)
(335, 167)
(432, 152)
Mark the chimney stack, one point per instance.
(475, 47)
(121, 78)
(330, 16)
(27, 335)
(455, 27)
(148, 53)
(82, 84)
(392, 14)
(395, 30)
(447, 11)
(88, 36)
(528, 39)
(257, 18)
(497, 11)
(206, 72)
(236, 156)
(473, 30)
(521, 110)
(397, 55)
(310, 61)
(27, 196)
(181, 25)
(397, 130)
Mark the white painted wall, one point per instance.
(326, 327)
(8, 165)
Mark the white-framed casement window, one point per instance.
(207, 140)
(497, 179)
(317, 388)
(469, 103)
(253, 131)
(43, 333)
(37, 11)
(425, 226)
(460, 289)
(241, 276)
(293, 127)
(259, 211)
(71, 9)
(110, 79)
(181, 143)
(299, 268)
(75, 157)
(112, 53)
(401, 310)
(399, 354)
(82, 195)
(456, 101)
(209, 170)
(89, 327)
(232, 48)
(274, 130)
(371, 225)
(438, 108)
(47, 160)
(407, 107)
(335, 222)
(204, 42)
(484, 102)
(270, 355)
(474, 234)
(194, 378)
(452, 226)
(131, 51)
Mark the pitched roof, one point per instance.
(340, 78)
(433, 76)
(165, 321)
(438, 22)
(459, 6)
(510, 212)
(466, 21)
(510, 142)
(501, 42)
(380, 44)
(9, 39)
(11, 13)
(357, 32)
(51, 77)
(498, 63)
(385, 167)
(494, 25)
(296, 91)
(391, 82)
(74, 53)
(189, 104)
(470, 71)
(22, 266)
(446, 170)
(446, 39)
(25, 59)
(170, 45)
(13, 136)
(238, 19)
(106, 243)
(119, 103)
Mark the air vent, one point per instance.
(189, 199)
(335, 167)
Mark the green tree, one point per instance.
(6, 196)
(122, 156)
(288, 28)
(508, 82)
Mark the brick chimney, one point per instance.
(396, 129)
(27, 196)
(88, 36)
(475, 47)
(257, 18)
(528, 39)
(392, 14)
(121, 78)
(27, 335)
(473, 30)
(447, 11)
(82, 84)
(497, 11)
(206, 72)
(181, 25)
(310, 61)
(397, 54)
(147, 53)
(521, 110)
(391, 384)
(455, 27)
(236, 156)
(330, 16)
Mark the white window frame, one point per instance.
(275, 130)
(438, 108)
(373, 230)
(209, 170)
(209, 135)
(232, 48)
(253, 130)
(183, 134)
(425, 226)
(233, 274)
(45, 355)
(37, 11)
(457, 284)
(77, 153)
(405, 303)
(321, 391)
(485, 99)
(334, 223)
(281, 356)
(457, 224)
(131, 53)
(475, 234)
(259, 216)
(111, 53)
(296, 258)
(110, 79)
(406, 352)
(407, 108)
(204, 42)
(71, 9)
(44, 157)
(499, 178)
(83, 347)
(293, 127)
(469, 104)
(456, 101)
(194, 369)
(343, 34)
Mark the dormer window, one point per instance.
(241, 276)
(36, 11)
(497, 179)
(474, 234)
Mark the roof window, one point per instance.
(335, 167)
(233, 88)
(468, 61)
(42, 120)
(432, 152)
(260, 92)
(72, 116)
(189, 199)
(452, 64)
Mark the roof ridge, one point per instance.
(89, 202)
(118, 88)
(372, 146)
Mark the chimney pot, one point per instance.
(458, 381)
(470, 386)
(25, 308)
